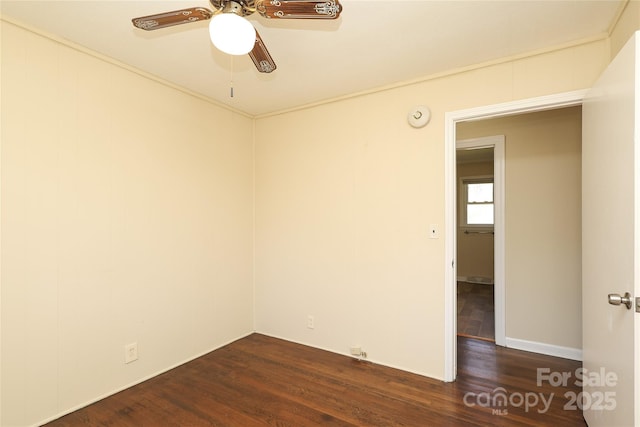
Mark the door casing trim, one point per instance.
(548, 102)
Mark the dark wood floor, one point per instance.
(258, 381)
(476, 316)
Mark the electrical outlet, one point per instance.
(311, 324)
(131, 352)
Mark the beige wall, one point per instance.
(542, 223)
(345, 194)
(628, 23)
(475, 252)
(126, 217)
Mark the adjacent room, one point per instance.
(475, 221)
(266, 237)
(542, 223)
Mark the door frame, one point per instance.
(530, 105)
(497, 143)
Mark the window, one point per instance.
(477, 202)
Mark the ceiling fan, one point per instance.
(232, 33)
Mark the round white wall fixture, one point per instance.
(419, 116)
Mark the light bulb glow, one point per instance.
(232, 34)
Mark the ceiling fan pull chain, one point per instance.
(231, 80)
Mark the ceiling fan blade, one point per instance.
(261, 57)
(299, 9)
(168, 19)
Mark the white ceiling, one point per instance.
(373, 43)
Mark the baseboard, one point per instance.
(478, 280)
(136, 382)
(543, 348)
(346, 354)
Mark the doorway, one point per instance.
(451, 227)
(479, 158)
(475, 243)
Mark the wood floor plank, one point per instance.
(263, 381)
(475, 310)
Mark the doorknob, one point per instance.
(616, 299)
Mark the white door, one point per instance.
(611, 245)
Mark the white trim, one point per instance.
(543, 348)
(349, 355)
(497, 143)
(451, 119)
(547, 102)
(139, 381)
(450, 268)
(478, 280)
(499, 243)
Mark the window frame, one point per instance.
(478, 179)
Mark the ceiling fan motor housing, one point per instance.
(239, 7)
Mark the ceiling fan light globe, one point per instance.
(232, 34)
